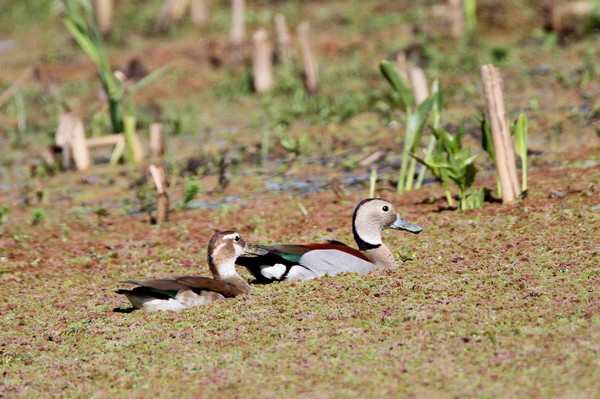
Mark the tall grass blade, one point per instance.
(398, 83)
(436, 95)
(81, 24)
(373, 182)
(520, 131)
(470, 7)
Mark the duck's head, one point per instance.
(374, 215)
(223, 249)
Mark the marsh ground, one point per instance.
(502, 301)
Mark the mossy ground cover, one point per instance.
(497, 302)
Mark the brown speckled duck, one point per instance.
(185, 292)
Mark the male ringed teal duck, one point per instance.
(184, 292)
(309, 260)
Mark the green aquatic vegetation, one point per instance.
(470, 9)
(38, 215)
(416, 117)
(191, 190)
(79, 20)
(520, 131)
(4, 212)
(451, 162)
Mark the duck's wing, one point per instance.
(196, 283)
(153, 295)
(305, 261)
(174, 294)
(161, 286)
(330, 261)
(272, 262)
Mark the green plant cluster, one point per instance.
(79, 20)
(445, 157)
(451, 162)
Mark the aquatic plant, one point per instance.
(416, 117)
(451, 162)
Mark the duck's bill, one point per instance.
(255, 250)
(401, 224)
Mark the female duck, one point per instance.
(306, 261)
(184, 292)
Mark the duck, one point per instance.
(311, 260)
(185, 292)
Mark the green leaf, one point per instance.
(415, 124)
(398, 83)
(436, 95)
(151, 77)
(445, 140)
(470, 172)
(519, 130)
(486, 138)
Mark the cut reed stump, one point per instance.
(162, 198)
(456, 16)
(103, 10)
(200, 10)
(262, 68)
(308, 58)
(402, 65)
(285, 48)
(237, 34)
(170, 14)
(564, 17)
(502, 140)
(70, 137)
(418, 83)
(75, 148)
(157, 147)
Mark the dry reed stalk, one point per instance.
(157, 148)
(81, 154)
(171, 12)
(310, 63)
(561, 13)
(162, 199)
(200, 11)
(284, 39)
(8, 93)
(104, 141)
(457, 18)
(418, 83)
(402, 65)
(262, 68)
(502, 140)
(238, 30)
(70, 137)
(103, 10)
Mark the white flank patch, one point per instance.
(150, 304)
(273, 272)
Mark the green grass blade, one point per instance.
(520, 130)
(398, 83)
(151, 77)
(486, 138)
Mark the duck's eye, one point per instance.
(237, 238)
(385, 208)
